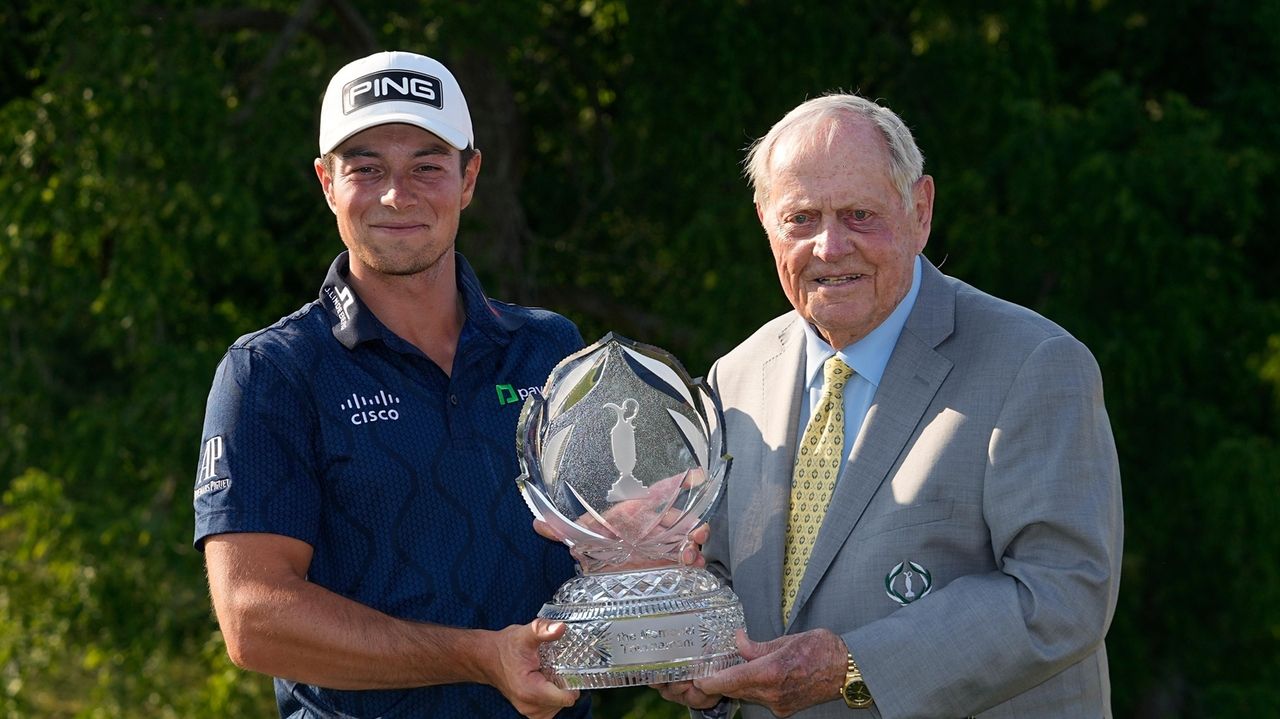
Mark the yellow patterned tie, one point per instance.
(817, 465)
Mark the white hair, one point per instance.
(906, 164)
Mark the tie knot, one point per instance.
(835, 375)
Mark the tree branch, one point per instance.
(305, 12)
(360, 39)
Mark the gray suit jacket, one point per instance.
(986, 458)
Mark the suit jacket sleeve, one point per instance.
(716, 549)
(1051, 501)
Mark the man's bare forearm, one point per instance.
(278, 623)
(300, 631)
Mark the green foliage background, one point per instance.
(1110, 163)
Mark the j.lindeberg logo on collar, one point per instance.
(342, 300)
(373, 408)
(387, 85)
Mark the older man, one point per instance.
(354, 498)
(923, 518)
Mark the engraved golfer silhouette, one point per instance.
(623, 440)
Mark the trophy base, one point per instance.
(641, 627)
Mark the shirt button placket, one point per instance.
(457, 421)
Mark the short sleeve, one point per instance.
(257, 469)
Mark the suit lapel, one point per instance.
(912, 377)
(781, 389)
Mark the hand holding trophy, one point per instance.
(622, 457)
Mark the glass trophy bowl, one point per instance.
(622, 455)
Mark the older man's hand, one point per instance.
(687, 694)
(785, 675)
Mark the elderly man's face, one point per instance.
(843, 242)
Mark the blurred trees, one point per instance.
(1105, 162)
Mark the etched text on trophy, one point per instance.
(656, 638)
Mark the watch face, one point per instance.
(857, 695)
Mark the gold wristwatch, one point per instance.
(855, 692)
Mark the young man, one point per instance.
(355, 498)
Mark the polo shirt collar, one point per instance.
(353, 322)
(482, 313)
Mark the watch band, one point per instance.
(854, 692)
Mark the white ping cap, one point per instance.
(394, 87)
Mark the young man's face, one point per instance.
(398, 192)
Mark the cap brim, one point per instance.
(453, 136)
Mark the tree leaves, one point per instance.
(1095, 161)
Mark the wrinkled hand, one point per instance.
(785, 675)
(513, 669)
(687, 694)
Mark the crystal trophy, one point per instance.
(623, 455)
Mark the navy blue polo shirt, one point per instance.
(329, 428)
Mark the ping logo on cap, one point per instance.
(388, 85)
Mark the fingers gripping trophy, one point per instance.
(622, 456)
